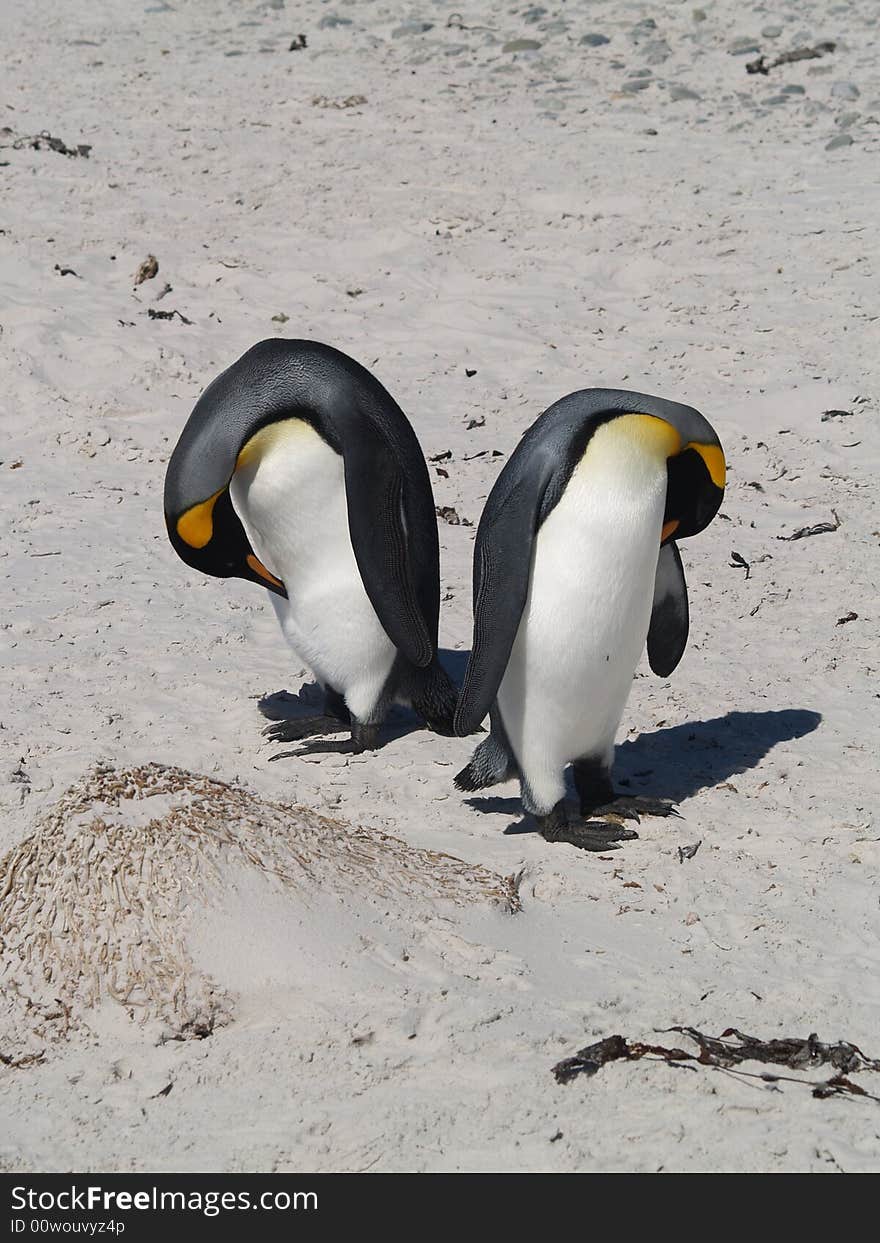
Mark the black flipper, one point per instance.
(502, 564)
(374, 486)
(668, 633)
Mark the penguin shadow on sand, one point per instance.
(309, 700)
(679, 761)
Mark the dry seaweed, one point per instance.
(46, 141)
(820, 528)
(154, 314)
(450, 514)
(760, 65)
(728, 1051)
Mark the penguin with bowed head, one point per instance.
(575, 566)
(298, 471)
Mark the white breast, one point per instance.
(588, 609)
(289, 492)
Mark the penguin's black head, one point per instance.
(695, 466)
(696, 475)
(209, 536)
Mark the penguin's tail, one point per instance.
(489, 765)
(434, 698)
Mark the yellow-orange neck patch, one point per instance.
(713, 456)
(258, 568)
(196, 526)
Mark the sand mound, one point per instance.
(100, 901)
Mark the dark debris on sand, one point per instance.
(727, 1052)
(760, 65)
(44, 141)
(820, 528)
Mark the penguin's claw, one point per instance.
(633, 807)
(341, 746)
(364, 737)
(295, 729)
(593, 835)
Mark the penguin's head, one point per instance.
(666, 430)
(204, 529)
(696, 474)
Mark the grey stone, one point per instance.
(846, 119)
(841, 140)
(330, 20)
(771, 32)
(793, 89)
(778, 99)
(641, 73)
(411, 28)
(643, 31)
(534, 15)
(743, 46)
(698, 15)
(845, 90)
(677, 92)
(633, 85)
(656, 52)
(521, 45)
(594, 40)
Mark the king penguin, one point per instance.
(575, 566)
(298, 471)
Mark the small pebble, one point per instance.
(330, 20)
(411, 28)
(677, 92)
(594, 40)
(656, 52)
(521, 45)
(743, 46)
(845, 90)
(643, 29)
(841, 140)
(771, 32)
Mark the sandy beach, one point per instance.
(340, 963)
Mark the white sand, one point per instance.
(516, 214)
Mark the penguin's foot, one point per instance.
(295, 729)
(592, 835)
(363, 738)
(631, 807)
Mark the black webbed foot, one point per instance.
(592, 835)
(363, 738)
(295, 729)
(631, 807)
